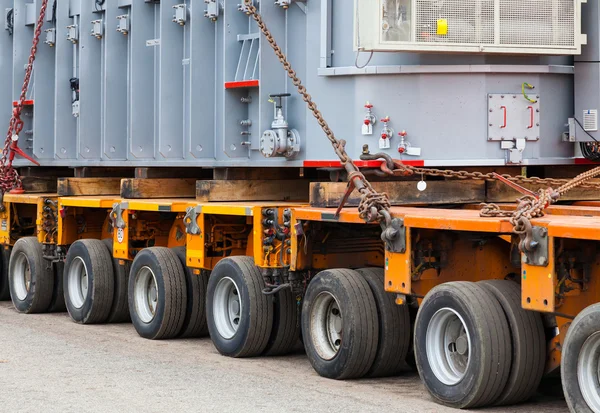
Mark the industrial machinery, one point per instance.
(210, 140)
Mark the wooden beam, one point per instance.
(88, 186)
(252, 190)
(330, 194)
(133, 188)
(498, 192)
(39, 184)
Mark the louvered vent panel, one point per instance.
(537, 22)
(469, 21)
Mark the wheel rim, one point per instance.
(145, 292)
(78, 282)
(326, 326)
(22, 276)
(227, 308)
(588, 372)
(448, 346)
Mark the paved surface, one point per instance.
(49, 364)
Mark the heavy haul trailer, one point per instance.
(490, 310)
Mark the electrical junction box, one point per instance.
(535, 27)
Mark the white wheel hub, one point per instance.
(448, 346)
(145, 294)
(227, 308)
(588, 372)
(77, 282)
(326, 325)
(22, 276)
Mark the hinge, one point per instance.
(395, 236)
(537, 254)
(190, 221)
(116, 216)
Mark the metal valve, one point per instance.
(369, 121)
(405, 148)
(386, 134)
(279, 140)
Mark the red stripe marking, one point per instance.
(245, 83)
(583, 161)
(25, 103)
(360, 164)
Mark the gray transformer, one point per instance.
(193, 83)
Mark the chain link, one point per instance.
(375, 206)
(9, 177)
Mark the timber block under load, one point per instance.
(39, 184)
(497, 191)
(139, 188)
(252, 190)
(330, 194)
(88, 186)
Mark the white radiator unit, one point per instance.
(534, 27)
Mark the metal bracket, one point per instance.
(73, 33)
(123, 24)
(537, 254)
(116, 216)
(212, 10)
(190, 221)
(50, 37)
(180, 16)
(394, 236)
(243, 8)
(97, 30)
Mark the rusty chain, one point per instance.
(374, 206)
(9, 177)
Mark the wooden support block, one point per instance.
(252, 190)
(39, 184)
(133, 188)
(88, 186)
(330, 194)
(499, 192)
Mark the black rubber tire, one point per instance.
(583, 326)
(360, 327)
(286, 324)
(57, 304)
(528, 343)
(394, 327)
(42, 280)
(172, 295)
(194, 324)
(256, 323)
(4, 284)
(98, 263)
(490, 354)
(119, 312)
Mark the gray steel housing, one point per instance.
(156, 96)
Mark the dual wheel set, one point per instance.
(473, 343)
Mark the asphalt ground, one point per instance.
(50, 364)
